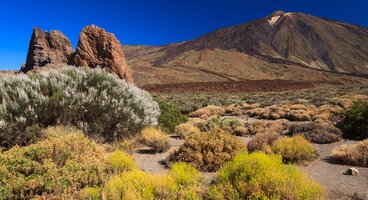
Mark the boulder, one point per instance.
(96, 47)
(352, 171)
(47, 49)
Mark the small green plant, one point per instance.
(295, 149)
(355, 124)
(156, 139)
(261, 176)
(170, 116)
(119, 162)
(208, 151)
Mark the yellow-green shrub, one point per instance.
(208, 151)
(156, 139)
(185, 130)
(190, 182)
(261, 176)
(294, 149)
(120, 161)
(58, 166)
(90, 193)
(140, 185)
(181, 182)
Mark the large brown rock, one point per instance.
(47, 49)
(96, 47)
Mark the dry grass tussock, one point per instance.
(295, 149)
(186, 130)
(208, 111)
(263, 142)
(256, 126)
(356, 154)
(297, 112)
(156, 139)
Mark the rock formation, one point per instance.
(96, 47)
(46, 49)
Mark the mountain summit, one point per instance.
(261, 49)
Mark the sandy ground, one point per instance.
(331, 175)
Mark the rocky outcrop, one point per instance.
(47, 49)
(96, 47)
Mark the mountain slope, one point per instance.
(282, 45)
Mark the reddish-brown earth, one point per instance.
(229, 87)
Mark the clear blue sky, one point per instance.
(150, 22)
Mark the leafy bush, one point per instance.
(355, 124)
(119, 162)
(295, 149)
(170, 117)
(316, 133)
(56, 167)
(208, 151)
(356, 154)
(156, 139)
(261, 176)
(263, 142)
(186, 130)
(93, 100)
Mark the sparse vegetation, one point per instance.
(294, 150)
(170, 116)
(356, 154)
(208, 151)
(58, 166)
(261, 176)
(95, 101)
(316, 133)
(156, 139)
(355, 124)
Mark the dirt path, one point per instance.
(154, 163)
(331, 175)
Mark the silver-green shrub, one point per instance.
(93, 100)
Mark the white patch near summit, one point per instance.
(273, 20)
